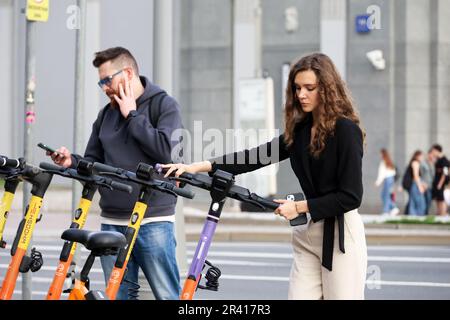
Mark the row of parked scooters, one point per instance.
(97, 175)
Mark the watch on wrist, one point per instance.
(132, 114)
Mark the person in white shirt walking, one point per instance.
(386, 178)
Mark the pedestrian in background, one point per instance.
(386, 178)
(416, 204)
(441, 179)
(427, 171)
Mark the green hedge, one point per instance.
(426, 220)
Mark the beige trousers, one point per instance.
(309, 280)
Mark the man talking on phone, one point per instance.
(137, 125)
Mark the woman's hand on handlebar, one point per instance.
(180, 168)
(290, 209)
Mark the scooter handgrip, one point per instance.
(50, 167)
(100, 167)
(9, 163)
(185, 175)
(158, 168)
(267, 203)
(184, 193)
(301, 219)
(121, 186)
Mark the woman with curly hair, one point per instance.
(324, 143)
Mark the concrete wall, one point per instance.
(280, 46)
(206, 63)
(205, 82)
(370, 89)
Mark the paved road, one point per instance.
(261, 271)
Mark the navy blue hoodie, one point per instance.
(123, 143)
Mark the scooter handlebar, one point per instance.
(100, 167)
(185, 175)
(184, 193)
(9, 163)
(64, 171)
(162, 186)
(301, 219)
(51, 167)
(121, 186)
(265, 202)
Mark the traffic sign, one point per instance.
(37, 10)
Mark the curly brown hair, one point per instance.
(335, 101)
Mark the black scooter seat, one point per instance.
(94, 240)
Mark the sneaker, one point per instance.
(394, 211)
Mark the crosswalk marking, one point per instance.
(270, 278)
(289, 256)
(278, 256)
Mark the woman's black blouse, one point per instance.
(332, 183)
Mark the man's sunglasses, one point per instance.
(106, 81)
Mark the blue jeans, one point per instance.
(388, 204)
(154, 253)
(417, 205)
(428, 199)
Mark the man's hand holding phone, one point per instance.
(61, 157)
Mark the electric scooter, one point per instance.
(221, 186)
(7, 173)
(19, 261)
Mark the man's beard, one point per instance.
(113, 102)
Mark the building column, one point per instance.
(443, 75)
(247, 46)
(164, 70)
(6, 76)
(417, 75)
(333, 32)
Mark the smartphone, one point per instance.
(301, 219)
(47, 148)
